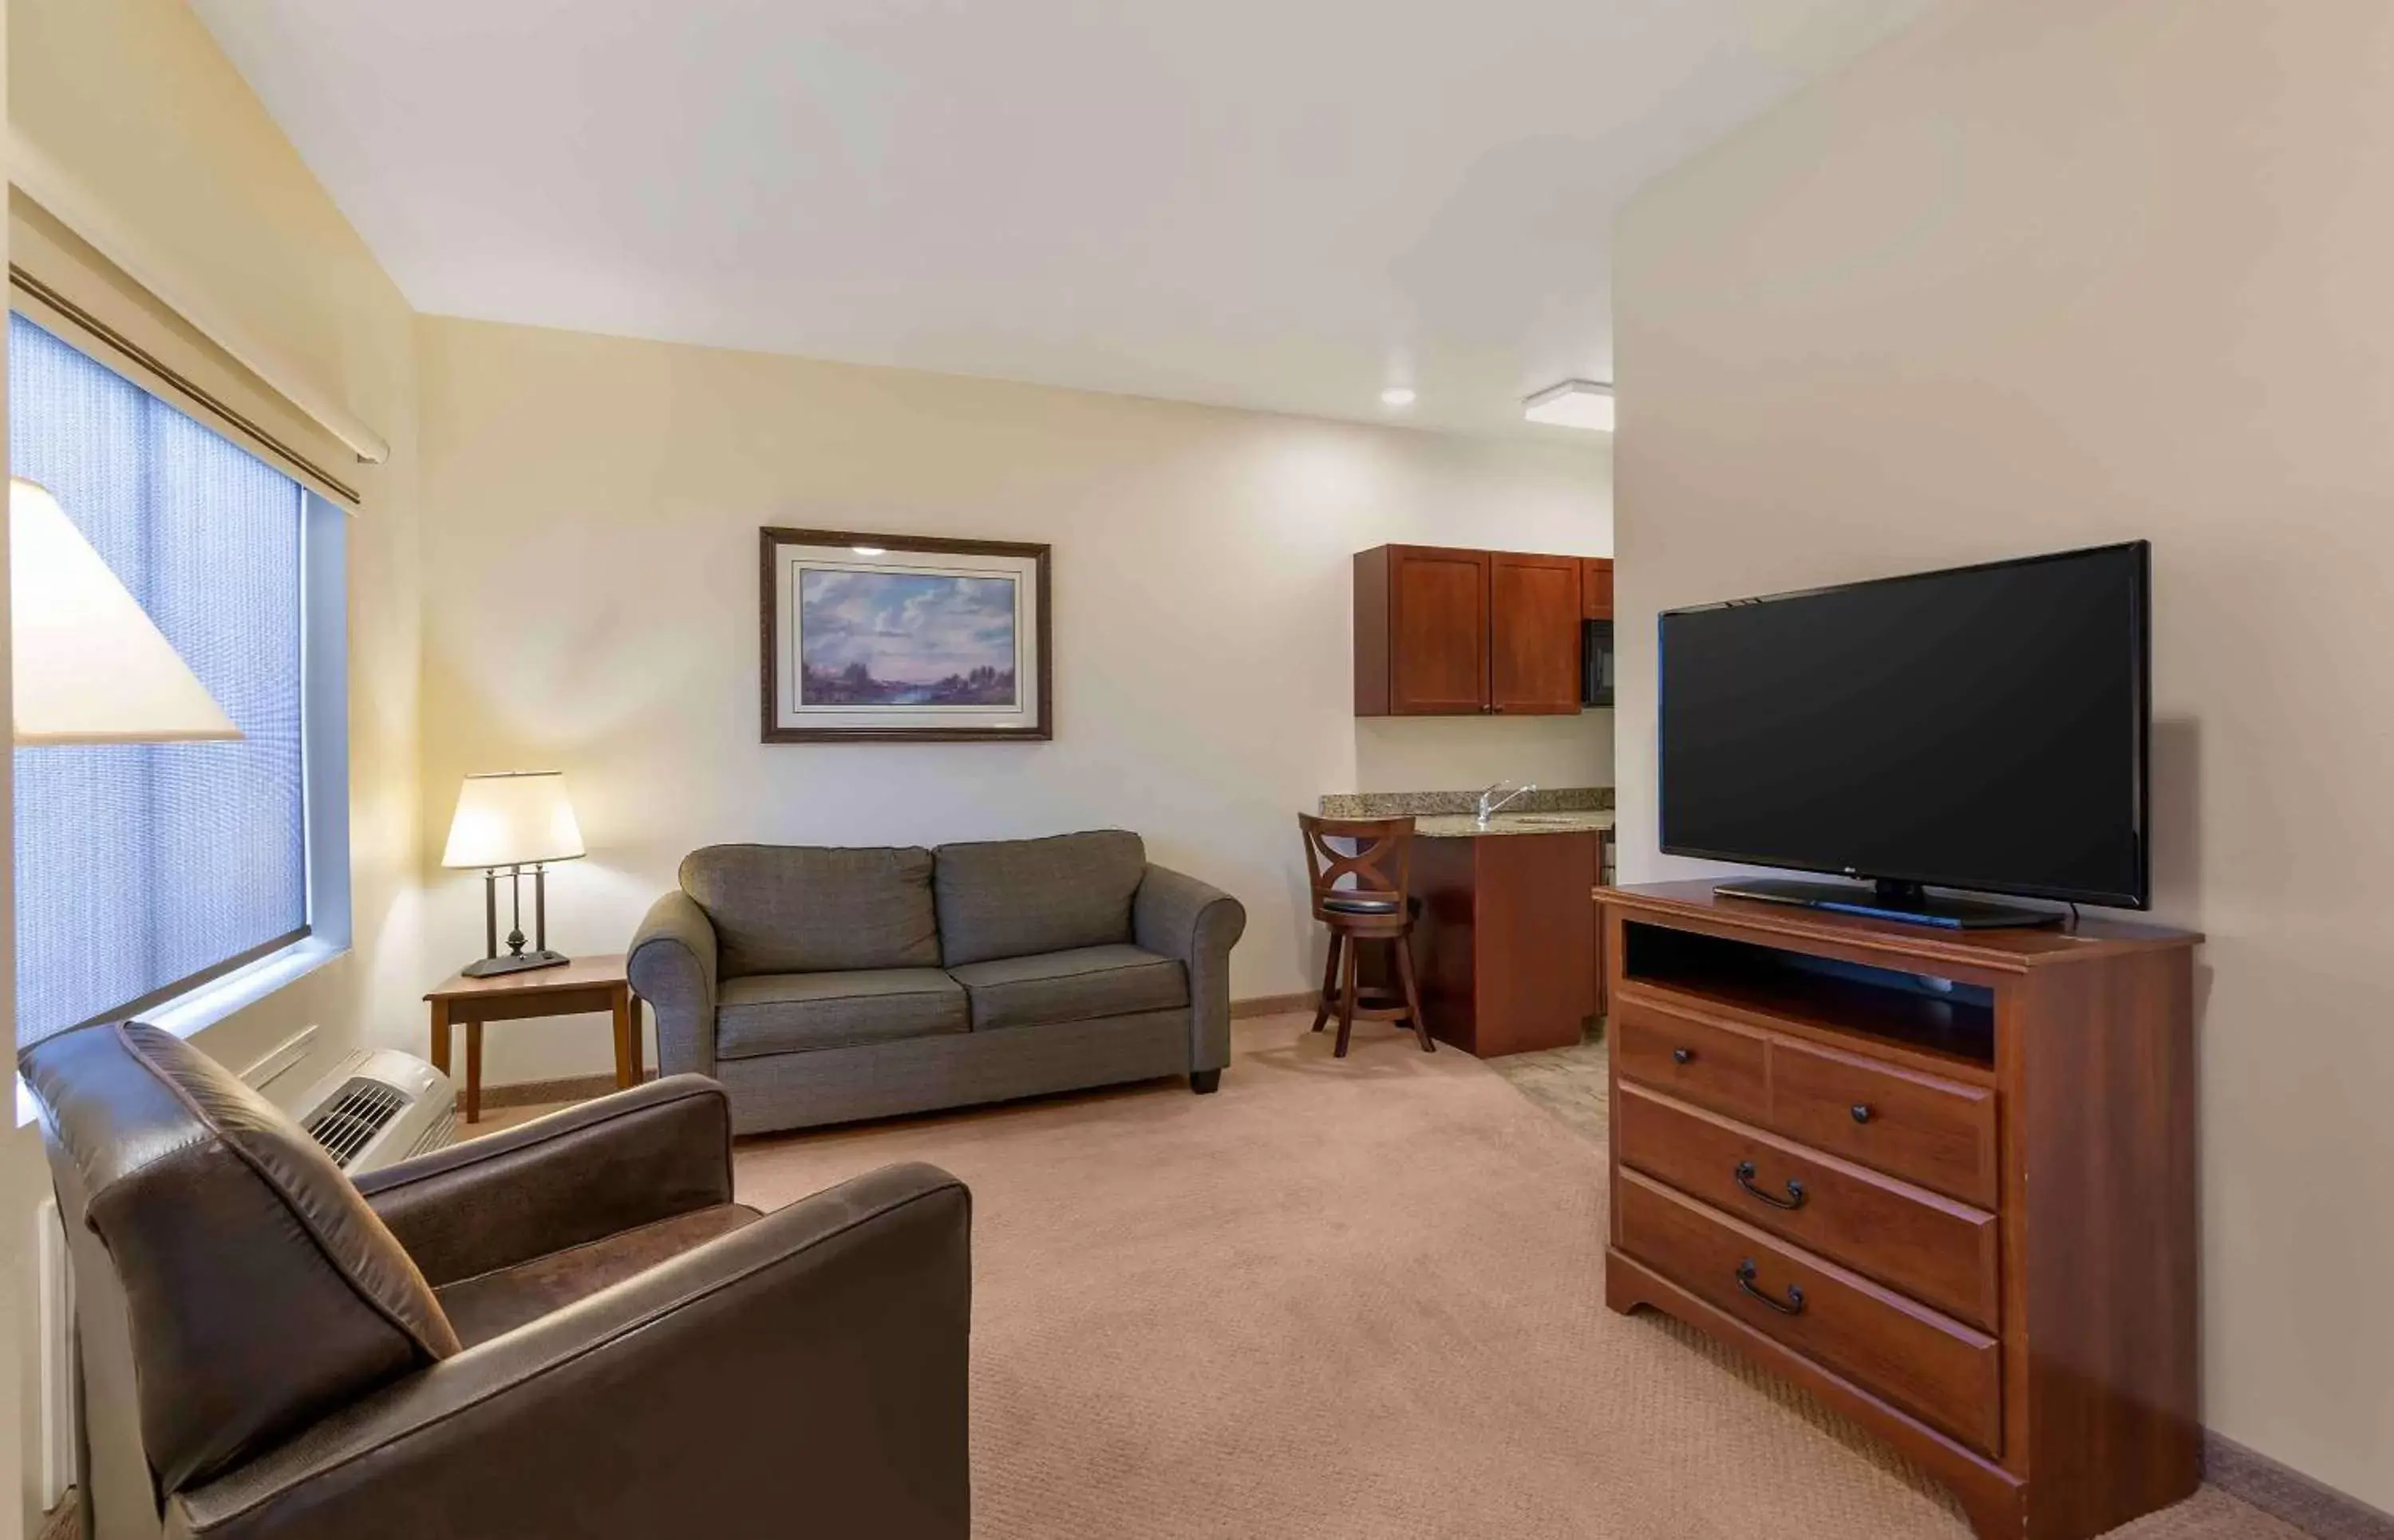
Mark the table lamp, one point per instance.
(88, 663)
(509, 820)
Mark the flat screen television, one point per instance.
(1980, 727)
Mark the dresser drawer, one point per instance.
(1930, 1247)
(1721, 1067)
(1939, 1133)
(1943, 1372)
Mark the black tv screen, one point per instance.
(1981, 728)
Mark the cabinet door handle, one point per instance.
(1862, 1110)
(1683, 1055)
(1746, 1275)
(1796, 1193)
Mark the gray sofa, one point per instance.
(822, 985)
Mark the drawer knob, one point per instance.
(1796, 1193)
(1683, 1055)
(1746, 1275)
(1861, 1111)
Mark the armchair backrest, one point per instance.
(229, 1277)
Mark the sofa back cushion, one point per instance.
(1012, 898)
(810, 909)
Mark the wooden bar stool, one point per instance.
(1362, 897)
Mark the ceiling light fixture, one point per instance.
(869, 550)
(1397, 395)
(1573, 404)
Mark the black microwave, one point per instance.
(1596, 662)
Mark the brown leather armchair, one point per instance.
(567, 1328)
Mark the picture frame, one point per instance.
(904, 639)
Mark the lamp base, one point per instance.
(520, 962)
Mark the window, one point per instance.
(143, 871)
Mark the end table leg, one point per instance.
(473, 1071)
(441, 1035)
(628, 1069)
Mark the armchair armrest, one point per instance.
(624, 1160)
(672, 965)
(803, 1375)
(1182, 917)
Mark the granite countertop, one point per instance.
(1464, 827)
(1448, 815)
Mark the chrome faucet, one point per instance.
(1490, 801)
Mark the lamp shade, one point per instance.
(520, 818)
(89, 665)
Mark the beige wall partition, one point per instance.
(591, 605)
(2038, 276)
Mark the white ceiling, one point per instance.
(1275, 204)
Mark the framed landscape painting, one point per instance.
(904, 639)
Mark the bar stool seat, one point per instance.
(1361, 896)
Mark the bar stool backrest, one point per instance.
(1366, 883)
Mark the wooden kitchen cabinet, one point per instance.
(1446, 632)
(1596, 588)
(1421, 631)
(1533, 613)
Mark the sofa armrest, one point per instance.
(672, 967)
(804, 1374)
(1182, 917)
(589, 1171)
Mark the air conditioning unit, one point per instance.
(379, 1106)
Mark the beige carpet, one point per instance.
(1358, 1298)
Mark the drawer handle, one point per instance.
(1683, 1055)
(1745, 1274)
(1862, 1111)
(1796, 1193)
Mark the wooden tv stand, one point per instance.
(1961, 1213)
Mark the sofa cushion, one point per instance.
(1014, 897)
(806, 909)
(792, 1012)
(1078, 985)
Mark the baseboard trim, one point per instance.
(2281, 1491)
(532, 1093)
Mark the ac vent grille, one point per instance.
(362, 1108)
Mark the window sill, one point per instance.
(218, 998)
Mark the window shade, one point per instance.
(143, 870)
(66, 286)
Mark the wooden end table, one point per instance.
(586, 985)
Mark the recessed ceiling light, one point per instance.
(1573, 404)
(1397, 395)
(869, 550)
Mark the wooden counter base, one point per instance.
(1503, 944)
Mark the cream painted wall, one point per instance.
(590, 604)
(2038, 276)
(133, 98)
